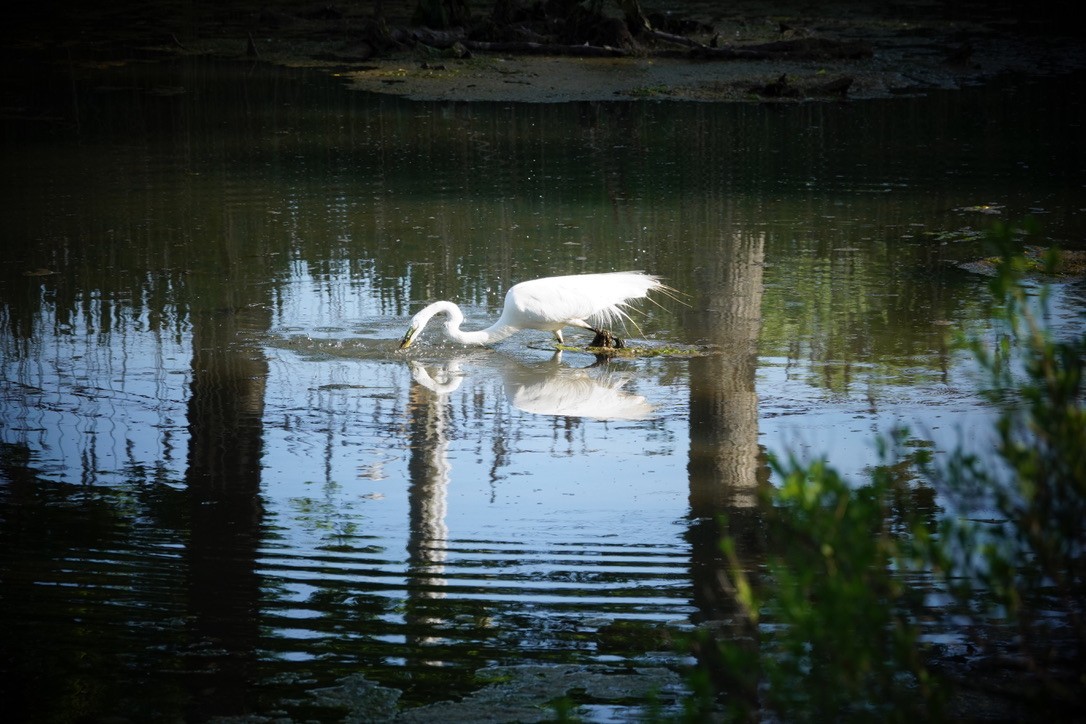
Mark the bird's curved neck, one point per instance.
(494, 333)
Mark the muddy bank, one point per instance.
(743, 51)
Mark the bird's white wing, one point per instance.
(597, 297)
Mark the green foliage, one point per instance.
(837, 643)
(1032, 558)
(836, 614)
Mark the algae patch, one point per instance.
(670, 350)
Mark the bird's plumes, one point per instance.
(589, 301)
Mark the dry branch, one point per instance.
(799, 48)
(587, 51)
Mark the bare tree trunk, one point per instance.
(636, 21)
(441, 13)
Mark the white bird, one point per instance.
(589, 301)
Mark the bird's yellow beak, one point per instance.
(408, 338)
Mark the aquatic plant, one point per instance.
(836, 639)
(838, 609)
(1019, 571)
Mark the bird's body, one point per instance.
(588, 301)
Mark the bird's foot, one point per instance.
(605, 340)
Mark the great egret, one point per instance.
(588, 301)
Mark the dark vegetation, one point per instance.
(558, 27)
(751, 50)
(741, 30)
(572, 27)
(837, 622)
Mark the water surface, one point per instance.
(223, 490)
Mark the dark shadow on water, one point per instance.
(225, 424)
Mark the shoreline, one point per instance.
(762, 52)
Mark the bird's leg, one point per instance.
(558, 336)
(606, 340)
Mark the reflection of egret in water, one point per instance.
(552, 389)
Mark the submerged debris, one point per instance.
(364, 700)
(1039, 262)
(533, 693)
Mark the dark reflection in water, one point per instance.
(223, 478)
(723, 401)
(726, 466)
(92, 603)
(222, 490)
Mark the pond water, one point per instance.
(224, 491)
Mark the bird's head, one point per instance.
(420, 320)
(412, 332)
